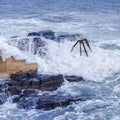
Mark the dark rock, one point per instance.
(69, 37)
(48, 34)
(33, 34)
(37, 81)
(1, 102)
(51, 82)
(29, 92)
(15, 90)
(16, 98)
(47, 101)
(28, 102)
(22, 44)
(25, 89)
(14, 36)
(73, 78)
(34, 45)
(38, 46)
(23, 76)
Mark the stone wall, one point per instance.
(11, 66)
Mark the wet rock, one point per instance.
(69, 37)
(47, 34)
(15, 90)
(15, 98)
(26, 89)
(33, 45)
(47, 101)
(23, 44)
(38, 44)
(29, 92)
(33, 34)
(1, 102)
(73, 78)
(24, 75)
(37, 81)
(51, 82)
(14, 36)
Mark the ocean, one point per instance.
(99, 22)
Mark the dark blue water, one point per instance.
(18, 8)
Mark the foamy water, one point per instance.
(101, 69)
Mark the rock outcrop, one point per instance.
(11, 66)
(33, 90)
(28, 80)
(47, 101)
(36, 42)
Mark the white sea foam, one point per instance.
(102, 63)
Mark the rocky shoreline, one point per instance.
(25, 88)
(28, 88)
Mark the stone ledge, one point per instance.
(11, 66)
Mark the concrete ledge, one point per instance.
(11, 66)
(4, 75)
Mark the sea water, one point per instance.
(96, 20)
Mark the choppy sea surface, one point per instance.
(96, 20)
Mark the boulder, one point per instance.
(51, 82)
(26, 89)
(47, 101)
(73, 78)
(36, 81)
(47, 34)
(69, 37)
(33, 45)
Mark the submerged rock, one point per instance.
(35, 41)
(47, 34)
(73, 78)
(69, 37)
(33, 45)
(36, 81)
(46, 101)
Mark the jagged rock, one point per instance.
(47, 34)
(23, 76)
(69, 37)
(26, 90)
(51, 82)
(22, 44)
(73, 78)
(33, 34)
(15, 90)
(38, 43)
(36, 81)
(29, 92)
(1, 102)
(33, 45)
(46, 101)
